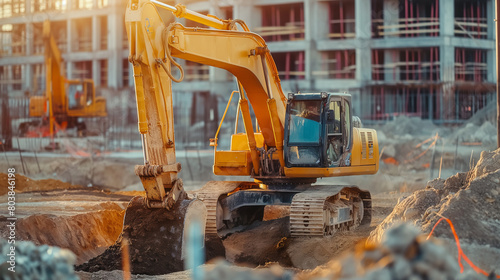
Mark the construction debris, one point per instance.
(36, 262)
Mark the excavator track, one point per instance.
(210, 194)
(322, 210)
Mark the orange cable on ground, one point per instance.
(460, 252)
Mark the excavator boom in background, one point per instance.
(65, 101)
(300, 137)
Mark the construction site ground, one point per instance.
(78, 202)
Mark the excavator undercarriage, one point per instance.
(315, 210)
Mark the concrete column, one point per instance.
(447, 55)
(318, 26)
(115, 42)
(363, 19)
(96, 72)
(391, 16)
(446, 18)
(27, 6)
(490, 14)
(69, 34)
(69, 69)
(363, 34)
(248, 12)
(491, 54)
(390, 58)
(310, 53)
(96, 33)
(29, 39)
(27, 77)
(491, 69)
(447, 51)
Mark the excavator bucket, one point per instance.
(156, 238)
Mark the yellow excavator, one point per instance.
(300, 137)
(65, 101)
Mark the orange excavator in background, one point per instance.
(65, 101)
(300, 136)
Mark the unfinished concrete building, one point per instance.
(432, 59)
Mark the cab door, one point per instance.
(334, 132)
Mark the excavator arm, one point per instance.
(154, 42)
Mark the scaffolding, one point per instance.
(339, 64)
(13, 40)
(83, 70)
(415, 19)
(471, 19)
(388, 102)
(341, 19)
(470, 65)
(409, 65)
(290, 65)
(282, 22)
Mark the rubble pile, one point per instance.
(403, 254)
(36, 262)
(471, 132)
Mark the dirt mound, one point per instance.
(477, 190)
(402, 254)
(25, 184)
(469, 200)
(86, 235)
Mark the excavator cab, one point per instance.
(81, 99)
(318, 128)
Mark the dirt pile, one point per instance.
(83, 220)
(25, 184)
(402, 254)
(36, 262)
(469, 200)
